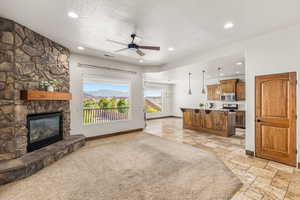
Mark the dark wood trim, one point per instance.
(249, 153)
(177, 117)
(159, 118)
(39, 95)
(163, 117)
(113, 134)
(298, 165)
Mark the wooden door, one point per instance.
(240, 91)
(276, 117)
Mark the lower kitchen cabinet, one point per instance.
(217, 122)
(240, 121)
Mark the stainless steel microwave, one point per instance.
(228, 97)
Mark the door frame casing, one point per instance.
(293, 121)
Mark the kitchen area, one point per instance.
(223, 112)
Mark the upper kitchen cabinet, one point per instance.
(228, 86)
(213, 92)
(240, 91)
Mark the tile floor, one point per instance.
(262, 179)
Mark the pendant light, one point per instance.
(203, 86)
(190, 90)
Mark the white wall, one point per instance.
(277, 52)
(182, 99)
(137, 101)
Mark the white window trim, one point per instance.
(104, 80)
(164, 100)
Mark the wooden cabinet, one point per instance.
(210, 121)
(215, 120)
(197, 118)
(240, 121)
(213, 92)
(187, 119)
(228, 86)
(240, 91)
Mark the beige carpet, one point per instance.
(139, 167)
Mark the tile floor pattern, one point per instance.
(262, 179)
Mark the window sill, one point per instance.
(107, 123)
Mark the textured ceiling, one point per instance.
(190, 26)
(228, 65)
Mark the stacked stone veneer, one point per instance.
(27, 58)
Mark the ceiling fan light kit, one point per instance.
(134, 46)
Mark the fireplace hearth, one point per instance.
(44, 129)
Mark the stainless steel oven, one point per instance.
(228, 97)
(230, 106)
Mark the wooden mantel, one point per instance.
(38, 95)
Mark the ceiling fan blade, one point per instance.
(150, 48)
(140, 52)
(116, 42)
(120, 50)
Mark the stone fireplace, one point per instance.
(26, 59)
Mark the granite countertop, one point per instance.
(214, 109)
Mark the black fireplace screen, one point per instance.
(43, 129)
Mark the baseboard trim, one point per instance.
(113, 134)
(153, 118)
(249, 153)
(163, 117)
(177, 117)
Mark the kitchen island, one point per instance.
(218, 122)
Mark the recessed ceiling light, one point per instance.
(239, 63)
(171, 49)
(237, 72)
(228, 25)
(80, 48)
(141, 60)
(73, 15)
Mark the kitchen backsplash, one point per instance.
(219, 104)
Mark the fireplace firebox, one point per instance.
(44, 129)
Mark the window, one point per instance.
(153, 100)
(105, 102)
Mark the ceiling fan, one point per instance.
(134, 46)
